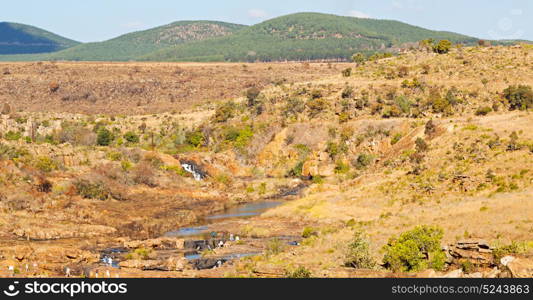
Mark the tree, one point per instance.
(416, 250)
(358, 58)
(520, 97)
(104, 137)
(442, 47)
(426, 44)
(131, 137)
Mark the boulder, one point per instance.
(521, 268)
(506, 260)
(476, 251)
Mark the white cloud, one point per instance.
(358, 14)
(257, 13)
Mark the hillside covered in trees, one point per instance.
(296, 37)
(24, 39)
(305, 36)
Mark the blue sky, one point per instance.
(97, 20)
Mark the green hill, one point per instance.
(132, 45)
(24, 39)
(304, 36)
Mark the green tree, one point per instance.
(104, 137)
(131, 137)
(415, 250)
(520, 97)
(358, 58)
(442, 47)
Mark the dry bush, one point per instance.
(76, 134)
(144, 173)
(44, 185)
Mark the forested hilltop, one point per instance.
(305, 36)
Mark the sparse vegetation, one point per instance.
(415, 250)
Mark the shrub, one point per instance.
(12, 136)
(430, 128)
(293, 107)
(316, 106)
(104, 137)
(195, 138)
(442, 47)
(300, 272)
(363, 160)
(251, 96)
(92, 190)
(239, 137)
(341, 167)
(8, 152)
(403, 71)
(415, 250)
(225, 112)
(44, 186)
(483, 111)
(131, 137)
(309, 232)
(275, 246)
(396, 138)
(141, 254)
(46, 164)
(76, 134)
(358, 254)
(143, 173)
(358, 58)
(347, 92)
(520, 97)
(347, 72)
(421, 145)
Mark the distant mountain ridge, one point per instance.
(300, 36)
(18, 38)
(132, 45)
(305, 36)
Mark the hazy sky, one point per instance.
(96, 20)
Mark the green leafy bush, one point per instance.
(195, 138)
(520, 97)
(363, 160)
(442, 47)
(12, 136)
(358, 254)
(46, 164)
(104, 137)
(341, 167)
(131, 137)
(415, 250)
